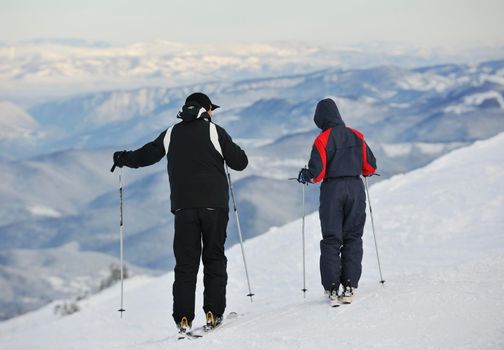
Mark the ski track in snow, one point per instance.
(439, 231)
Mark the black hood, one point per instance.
(327, 115)
(192, 111)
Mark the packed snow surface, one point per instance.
(440, 235)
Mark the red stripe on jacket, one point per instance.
(367, 169)
(321, 144)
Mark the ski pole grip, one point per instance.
(113, 168)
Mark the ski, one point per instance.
(189, 336)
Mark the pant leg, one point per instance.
(331, 220)
(214, 224)
(353, 228)
(187, 250)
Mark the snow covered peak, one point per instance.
(15, 122)
(439, 231)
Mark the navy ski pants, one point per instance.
(342, 216)
(192, 228)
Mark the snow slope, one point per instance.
(441, 244)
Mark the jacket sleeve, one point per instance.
(369, 161)
(368, 158)
(318, 158)
(233, 155)
(149, 154)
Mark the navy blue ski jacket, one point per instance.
(338, 151)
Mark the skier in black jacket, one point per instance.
(339, 156)
(196, 150)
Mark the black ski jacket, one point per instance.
(196, 149)
(338, 151)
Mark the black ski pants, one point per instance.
(342, 217)
(192, 228)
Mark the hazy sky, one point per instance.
(418, 22)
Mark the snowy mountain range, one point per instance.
(28, 279)
(44, 68)
(439, 236)
(432, 104)
(56, 189)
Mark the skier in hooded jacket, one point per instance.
(338, 158)
(196, 150)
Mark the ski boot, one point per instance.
(333, 297)
(346, 295)
(212, 321)
(184, 327)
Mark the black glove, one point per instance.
(304, 176)
(119, 158)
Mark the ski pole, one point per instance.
(250, 294)
(382, 281)
(303, 235)
(121, 239)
